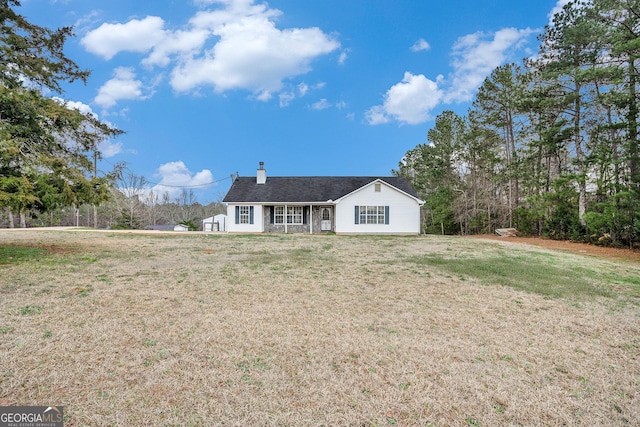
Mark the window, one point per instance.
(294, 215)
(372, 215)
(278, 214)
(244, 214)
(377, 187)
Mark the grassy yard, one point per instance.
(237, 330)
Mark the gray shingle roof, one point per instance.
(304, 189)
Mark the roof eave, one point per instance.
(245, 202)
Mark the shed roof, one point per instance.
(305, 189)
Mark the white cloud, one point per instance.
(123, 86)
(286, 98)
(75, 105)
(174, 176)
(135, 36)
(476, 55)
(253, 54)
(179, 42)
(80, 106)
(420, 45)
(109, 149)
(323, 104)
(376, 115)
(85, 22)
(410, 101)
(343, 56)
(301, 90)
(249, 53)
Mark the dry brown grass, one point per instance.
(126, 329)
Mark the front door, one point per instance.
(325, 224)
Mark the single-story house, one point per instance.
(215, 223)
(320, 204)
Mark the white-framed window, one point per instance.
(244, 214)
(245, 217)
(377, 187)
(372, 215)
(278, 214)
(294, 215)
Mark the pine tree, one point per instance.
(46, 148)
(496, 109)
(433, 171)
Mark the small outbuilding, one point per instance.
(215, 223)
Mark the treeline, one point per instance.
(549, 146)
(138, 211)
(131, 203)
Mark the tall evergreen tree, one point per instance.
(483, 156)
(46, 148)
(433, 170)
(621, 19)
(497, 108)
(569, 48)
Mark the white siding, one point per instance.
(256, 227)
(215, 223)
(207, 224)
(404, 211)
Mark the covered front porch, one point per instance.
(299, 218)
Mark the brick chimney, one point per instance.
(262, 174)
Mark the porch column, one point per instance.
(285, 219)
(310, 219)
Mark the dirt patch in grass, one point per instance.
(312, 330)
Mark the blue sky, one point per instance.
(207, 88)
